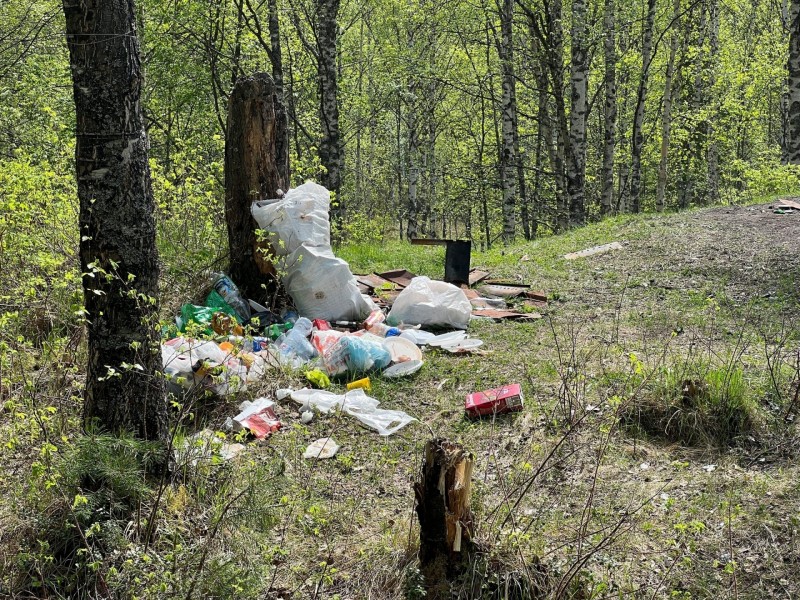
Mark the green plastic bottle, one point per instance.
(278, 329)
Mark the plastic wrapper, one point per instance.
(357, 404)
(351, 354)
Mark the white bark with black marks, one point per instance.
(576, 154)
(331, 151)
(637, 140)
(666, 115)
(609, 108)
(793, 120)
(508, 154)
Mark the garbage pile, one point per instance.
(336, 333)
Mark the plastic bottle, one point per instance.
(295, 342)
(379, 329)
(277, 330)
(230, 293)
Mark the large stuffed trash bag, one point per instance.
(320, 284)
(431, 303)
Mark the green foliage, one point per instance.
(696, 405)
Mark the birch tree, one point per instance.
(576, 156)
(793, 64)
(637, 134)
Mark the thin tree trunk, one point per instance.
(508, 157)
(637, 140)
(256, 167)
(793, 112)
(556, 64)
(331, 152)
(713, 154)
(412, 229)
(576, 155)
(666, 116)
(609, 109)
(119, 260)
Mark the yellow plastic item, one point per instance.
(365, 384)
(226, 347)
(318, 378)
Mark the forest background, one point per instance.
(480, 120)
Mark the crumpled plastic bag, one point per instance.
(357, 404)
(355, 355)
(431, 303)
(320, 284)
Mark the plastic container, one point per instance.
(364, 384)
(295, 342)
(223, 285)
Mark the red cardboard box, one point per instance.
(497, 401)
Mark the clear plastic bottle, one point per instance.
(231, 294)
(295, 341)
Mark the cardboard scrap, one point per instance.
(401, 277)
(373, 281)
(786, 205)
(594, 250)
(476, 275)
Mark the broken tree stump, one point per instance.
(256, 167)
(443, 509)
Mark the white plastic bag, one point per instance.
(322, 286)
(299, 218)
(432, 303)
(356, 404)
(298, 228)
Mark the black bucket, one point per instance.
(456, 261)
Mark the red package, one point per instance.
(496, 401)
(321, 324)
(263, 423)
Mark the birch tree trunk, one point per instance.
(576, 154)
(508, 157)
(331, 152)
(637, 140)
(556, 64)
(549, 36)
(609, 108)
(666, 116)
(793, 137)
(412, 229)
(119, 260)
(713, 154)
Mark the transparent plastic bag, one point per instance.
(355, 355)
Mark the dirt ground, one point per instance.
(563, 488)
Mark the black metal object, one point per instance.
(456, 258)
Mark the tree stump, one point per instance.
(256, 167)
(445, 519)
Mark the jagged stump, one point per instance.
(445, 519)
(256, 167)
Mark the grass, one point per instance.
(565, 496)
